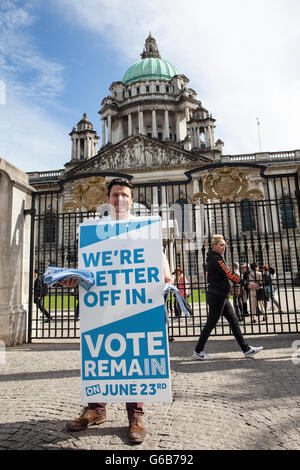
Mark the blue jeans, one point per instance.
(220, 305)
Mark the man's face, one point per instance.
(220, 247)
(121, 200)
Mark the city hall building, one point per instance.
(157, 133)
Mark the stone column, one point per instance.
(197, 137)
(154, 125)
(73, 153)
(199, 216)
(166, 127)
(141, 121)
(178, 127)
(187, 113)
(129, 125)
(15, 196)
(155, 206)
(109, 133)
(273, 210)
(78, 149)
(103, 132)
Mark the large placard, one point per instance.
(124, 339)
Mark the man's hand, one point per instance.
(167, 273)
(69, 282)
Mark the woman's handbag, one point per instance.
(260, 293)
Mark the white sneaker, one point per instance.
(202, 356)
(253, 350)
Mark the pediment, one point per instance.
(136, 153)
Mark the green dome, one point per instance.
(150, 68)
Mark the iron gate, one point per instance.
(262, 230)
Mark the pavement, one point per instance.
(228, 403)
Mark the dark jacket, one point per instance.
(39, 289)
(219, 276)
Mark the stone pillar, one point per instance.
(273, 211)
(129, 125)
(187, 113)
(154, 125)
(15, 197)
(103, 133)
(73, 154)
(155, 205)
(109, 133)
(78, 149)
(199, 216)
(178, 127)
(166, 127)
(141, 121)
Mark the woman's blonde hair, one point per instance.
(216, 238)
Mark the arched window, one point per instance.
(287, 212)
(247, 216)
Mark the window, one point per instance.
(129, 93)
(167, 89)
(287, 212)
(137, 90)
(50, 228)
(192, 263)
(247, 216)
(147, 89)
(157, 88)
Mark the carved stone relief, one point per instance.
(227, 184)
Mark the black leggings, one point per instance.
(219, 305)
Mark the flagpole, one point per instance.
(258, 124)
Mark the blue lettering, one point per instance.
(103, 296)
(91, 259)
(140, 275)
(100, 278)
(125, 257)
(106, 258)
(138, 255)
(93, 301)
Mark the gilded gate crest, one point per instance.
(227, 184)
(88, 195)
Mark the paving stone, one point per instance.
(227, 403)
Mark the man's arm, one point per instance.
(167, 271)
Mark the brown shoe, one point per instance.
(87, 419)
(136, 431)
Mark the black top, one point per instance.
(219, 275)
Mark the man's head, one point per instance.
(120, 197)
(218, 244)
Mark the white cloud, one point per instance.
(30, 138)
(240, 57)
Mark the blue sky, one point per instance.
(59, 57)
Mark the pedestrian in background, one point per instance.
(40, 290)
(257, 296)
(182, 285)
(217, 297)
(237, 294)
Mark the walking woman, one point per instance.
(255, 300)
(219, 287)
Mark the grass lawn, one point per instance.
(59, 302)
(68, 301)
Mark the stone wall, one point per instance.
(15, 197)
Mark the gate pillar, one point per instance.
(15, 197)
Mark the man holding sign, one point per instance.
(120, 349)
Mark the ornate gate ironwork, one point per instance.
(261, 224)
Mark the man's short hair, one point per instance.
(120, 182)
